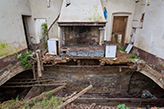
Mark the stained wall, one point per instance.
(119, 8)
(12, 38)
(150, 37)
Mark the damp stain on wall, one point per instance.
(6, 49)
(96, 17)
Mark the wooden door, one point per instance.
(119, 27)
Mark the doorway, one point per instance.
(119, 29)
(25, 20)
(40, 29)
(38, 25)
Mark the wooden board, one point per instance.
(119, 26)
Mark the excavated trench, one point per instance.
(110, 86)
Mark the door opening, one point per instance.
(26, 31)
(57, 47)
(38, 25)
(119, 29)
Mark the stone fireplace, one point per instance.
(80, 36)
(81, 27)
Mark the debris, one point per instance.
(121, 51)
(135, 60)
(75, 97)
(92, 106)
(147, 94)
(129, 47)
(37, 98)
(44, 52)
(5, 103)
(33, 91)
(68, 97)
(86, 106)
(114, 59)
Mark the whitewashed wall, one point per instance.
(11, 26)
(122, 8)
(41, 10)
(151, 37)
(11, 12)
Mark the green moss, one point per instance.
(96, 17)
(6, 49)
(51, 103)
(162, 64)
(96, 7)
(50, 93)
(48, 103)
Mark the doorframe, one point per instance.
(35, 26)
(26, 27)
(128, 25)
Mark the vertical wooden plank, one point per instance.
(119, 27)
(38, 64)
(33, 70)
(34, 91)
(124, 23)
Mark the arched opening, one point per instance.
(140, 83)
(8, 90)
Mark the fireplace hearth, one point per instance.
(81, 28)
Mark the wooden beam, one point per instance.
(32, 93)
(75, 97)
(28, 82)
(36, 85)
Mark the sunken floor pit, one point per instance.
(114, 82)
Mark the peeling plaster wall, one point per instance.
(151, 37)
(119, 8)
(12, 31)
(40, 10)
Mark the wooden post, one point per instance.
(41, 62)
(38, 63)
(33, 70)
